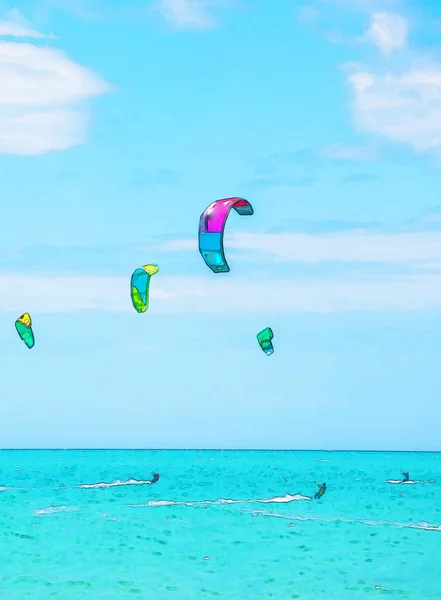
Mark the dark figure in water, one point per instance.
(322, 490)
(406, 476)
(155, 478)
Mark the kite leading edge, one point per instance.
(140, 286)
(264, 338)
(211, 230)
(23, 325)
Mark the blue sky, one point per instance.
(120, 122)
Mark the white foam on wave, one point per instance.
(322, 460)
(277, 500)
(284, 499)
(50, 510)
(409, 482)
(423, 525)
(115, 483)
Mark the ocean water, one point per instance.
(219, 524)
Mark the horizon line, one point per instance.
(211, 450)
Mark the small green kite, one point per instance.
(264, 338)
(23, 325)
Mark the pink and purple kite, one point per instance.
(211, 230)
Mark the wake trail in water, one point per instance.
(50, 510)
(276, 500)
(423, 525)
(115, 483)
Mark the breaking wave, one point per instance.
(408, 482)
(276, 500)
(423, 525)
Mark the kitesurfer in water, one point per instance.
(155, 478)
(322, 490)
(406, 476)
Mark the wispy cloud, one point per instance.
(191, 14)
(388, 31)
(324, 247)
(166, 177)
(299, 168)
(325, 226)
(328, 18)
(280, 162)
(304, 167)
(186, 14)
(349, 246)
(428, 220)
(362, 5)
(341, 151)
(308, 14)
(39, 97)
(15, 25)
(359, 178)
(283, 181)
(372, 269)
(177, 295)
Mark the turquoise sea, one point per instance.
(226, 524)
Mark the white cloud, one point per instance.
(403, 107)
(388, 31)
(341, 151)
(401, 100)
(186, 14)
(216, 295)
(41, 94)
(354, 246)
(401, 104)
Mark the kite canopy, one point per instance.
(264, 338)
(140, 285)
(211, 230)
(23, 325)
